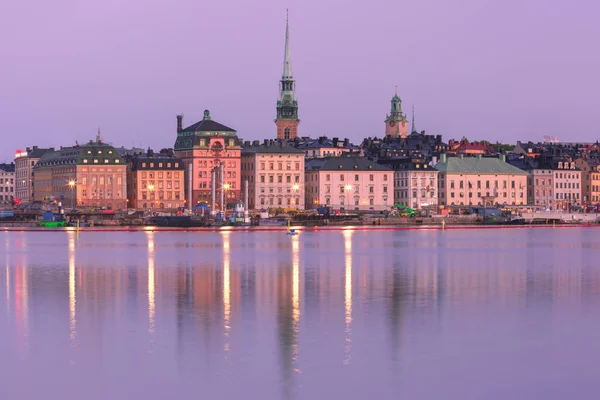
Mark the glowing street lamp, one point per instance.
(71, 185)
(296, 187)
(348, 188)
(226, 186)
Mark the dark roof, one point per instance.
(7, 167)
(407, 163)
(344, 164)
(79, 155)
(36, 152)
(207, 125)
(271, 147)
(137, 161)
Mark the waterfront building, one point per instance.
(88, 175)
(588, 167)
(396, 124)
(208, 146)
(24, 163)
(595, 185)
(348, 183)
(155, 180)
(287, 120)
(7, 183)
(470, 181)
(274, 173)
(325, 147)
(540, 179)
(415, 182)
(567, 183)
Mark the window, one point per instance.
(371, 177)
(286, 133)
(342, 177)
(327, 177)
(356, 178)
(371, 189)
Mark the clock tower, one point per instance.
(396, 124)
(287, 105)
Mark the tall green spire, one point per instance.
(287, 105)
(414, 129)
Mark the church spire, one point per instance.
(287, 105)
(287, 60)
(414, 129)
(99, 136)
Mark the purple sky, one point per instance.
(485, 69)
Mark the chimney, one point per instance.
(34, 147)
(335, 142)
(443, 157)
(502, 157)
(256, 143)
(321, 139)
(150, 153)
(266, 142)
(170, 152)
(346, 142)
(179, 123)
(247, 143)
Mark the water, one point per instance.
(462, 314)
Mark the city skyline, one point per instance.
(470, 69)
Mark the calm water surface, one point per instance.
(465, 314)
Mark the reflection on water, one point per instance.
(341, 314)
(72, 290)
(151, 284)
(348, 291)
(226, 288)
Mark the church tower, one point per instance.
(287, 106)
(396, 124)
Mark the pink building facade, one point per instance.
(348, 183)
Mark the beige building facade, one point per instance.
(7, 184)
(91, 175)
(480, 181)
(24, 163)
(567, 184)
(274, 173)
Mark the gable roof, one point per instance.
(477, 165)
(208, 125)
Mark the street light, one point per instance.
(151, 189)
(72, 184)
(348, 188)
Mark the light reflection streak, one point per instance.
(151, 283)
(348, 292)
(72, 290)
(21, 301)
(295, 294)
(226, 288)
(7, 280)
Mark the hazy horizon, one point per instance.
(516, 70)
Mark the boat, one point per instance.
(290, 231)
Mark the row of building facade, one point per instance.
(210, 164)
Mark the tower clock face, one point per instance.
(392, 123)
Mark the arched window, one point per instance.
(286, 133)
